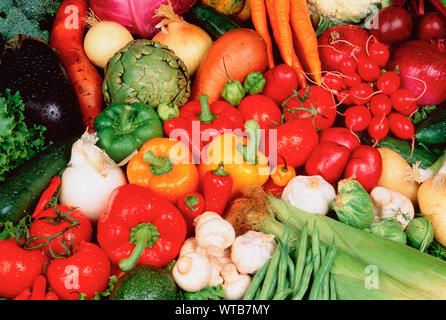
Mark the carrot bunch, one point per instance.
(292, 32)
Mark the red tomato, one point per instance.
(280, 83)
(318, 103)
(271, 188)
(328, 160)
(341, 136)
(261, 108)
(86, 271)
(365, 164)
(18, 267)
(49, 223)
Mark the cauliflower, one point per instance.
(327, 13)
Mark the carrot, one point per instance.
(66, 38)
(279, 15)
(260, 22)
(242, 50)
(306, 40)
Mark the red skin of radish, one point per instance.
(327, 159)
(347, 66)
(361, 93)
(340, 135)
(431, 25)
(404, 101)
(401, 126)
(345, 97)
(380, 105)
(357, 118)
(333, 81)
(280, 82)
(392, 25)
(352, 79)
(379, 53)
(365, 164)
(378, 128)
(368, 69)
(330, 58)
(388, 82)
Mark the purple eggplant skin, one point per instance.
(30, 66)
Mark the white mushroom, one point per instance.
(235, 284)
(192, 271)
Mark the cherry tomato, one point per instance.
(333, 82)
(401, 126)
(380, 105)
(378, 127)
(347, 65)
(379, 53)
(368, 69)
(403, 100)
(262, 109)
(280, 82)
(361, 93)
(352, 79)
(388, 82)
(357, 118)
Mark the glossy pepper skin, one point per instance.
(139, 227)
(217, 189)
(168, 174)
(212, 120)
(123, 128)
(240, 157)
(254, 83)
(191, 205)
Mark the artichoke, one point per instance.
(145, 71)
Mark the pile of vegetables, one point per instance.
(223, 150)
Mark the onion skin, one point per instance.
(418, 59)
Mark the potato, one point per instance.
(432, 202)
(394, 174)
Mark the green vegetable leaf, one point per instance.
(108, 291)
(208, 293)
(423, 113)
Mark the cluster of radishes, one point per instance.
(376, 101)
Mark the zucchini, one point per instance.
(433, 129)
(20, 193)
(214, 23)
(404, 148)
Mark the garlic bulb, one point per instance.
(309, 193)
(252, 250)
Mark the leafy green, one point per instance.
(437, 250)
(18, 142)
(108, 291)
(325, 24)
(25, 17)
(423, 113)
(9, 230)
(207, 293)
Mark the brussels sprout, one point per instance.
(390, 229)
(353, 205)
(420, 233)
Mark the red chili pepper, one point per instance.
(217, 187)
(213, 120)
(138, 227)
(51, 296)
(24, 295)
(39, 288)
(46, 196)
(191, 206)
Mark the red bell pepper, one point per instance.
(191, 206)
(217, 187)
(138, 227)
(213, 120)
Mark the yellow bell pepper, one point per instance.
(240, 157)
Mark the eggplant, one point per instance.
(30, 66)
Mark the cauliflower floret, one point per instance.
(345, 10)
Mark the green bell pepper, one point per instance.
(254, 83)
(124, 128)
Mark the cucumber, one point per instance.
(433, 129)
(20, 193)
(214, 23)
(404, 148)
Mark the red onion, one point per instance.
(423, 71)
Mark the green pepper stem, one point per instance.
(220, 171)
(158, 165)
(146, 235)
(124, 121)
(191, 200)
(205, 116)
(252, 127)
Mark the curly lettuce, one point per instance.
(18, 142)
(208, 293)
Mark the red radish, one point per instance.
(361, 93)
(18, 267)
(85, 271)
(378, 128)
(352, 79)
(401, 126)
(380, 105)
(388, 82)
(431, 25)
(345, 98)
(340, 135)
(357, 118)
(368, 69)
(422, 70)
(280, 83)
(339, 42)
(347, 66)
(333, 81)
(391, 25)
(262, 109)
(379, 53)
(328, 160)
(365, 164)
(403, 101)
(439, 44)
